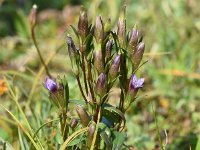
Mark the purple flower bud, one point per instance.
(71, 47)
(90, 137)
(138, 54)
(33, 16)
(98, 61)
(114, 67)
(83, 24)
(74, 122)
(109, 46)
(99, 29)
(101, 85)
(83, 115)
(121, 30)
(134, 38)
(51, 85)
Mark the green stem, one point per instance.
(81, 89)
(38, 51)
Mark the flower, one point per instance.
(51, 85)
(135, 83)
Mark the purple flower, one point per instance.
(135, 83)
(51, 85)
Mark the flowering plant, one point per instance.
(101, 60)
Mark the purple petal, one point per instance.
(133, 79)
(139, 83)
(51, 85)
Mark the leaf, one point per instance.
(106, 139)
(75, 31)
(72, 137)
(112, 110)
(76, 141)
(119, 138)
(77, 102)
(198, 144)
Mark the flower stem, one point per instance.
(81, 89)
(38, 51)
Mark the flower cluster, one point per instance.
(101, 58)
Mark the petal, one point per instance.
(51, 85)
(139, 83)
(133, 78)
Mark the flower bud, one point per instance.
(109, 46)
(71, 47)
(74, 122)
(98, 61)
(138, 54)
(83, 115)
(90, 136)
(114, 68)
(99, 29)
(83, 24)
(74, 56)
(101, 85)
(134, 38)
(121, 30)
(33, 16)
(51, 85)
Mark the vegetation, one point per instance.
(166, 111)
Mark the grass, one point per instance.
(171, 33)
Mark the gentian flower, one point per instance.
(51, 85)
(135, 83)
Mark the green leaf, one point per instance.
(106, 139)
(198, 144)
(59, 138)
(76, 141)
(75, 31)
(118, 140)
(77, 102)
(109, 111)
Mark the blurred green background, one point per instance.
(170, 99)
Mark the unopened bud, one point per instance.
(101, 85)
(74, 56)
(74, 122)
(99, 29)
(98, 60)
(71, 47)
(121, 30)
(114, 68)
(33, 16)
(138, 54)
(134, 38)
(109, 46)
(83, 24)
(90, 136)
(83, 115)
